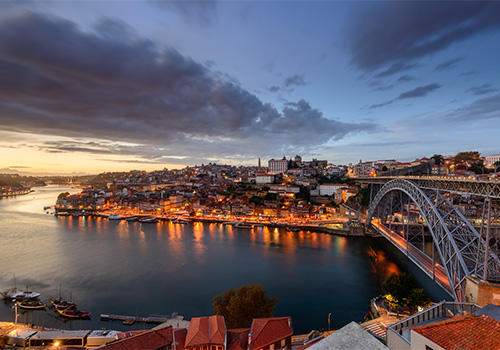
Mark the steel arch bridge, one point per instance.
(461, 249)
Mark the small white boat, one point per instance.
(15, 294)
(115, 217)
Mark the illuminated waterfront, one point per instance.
(140, 269)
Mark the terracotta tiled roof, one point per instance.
(179, 338)
(463, 332)
(237, 339)
(266, 331)
(206, 330)
(148, 340)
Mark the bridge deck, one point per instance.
(431, 269)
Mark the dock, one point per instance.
(129, 320)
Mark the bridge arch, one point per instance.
(457, 242)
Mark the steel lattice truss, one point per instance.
(459, 245)
(483, 188)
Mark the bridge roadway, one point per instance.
(431, 269)
(456, 184)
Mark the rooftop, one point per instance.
(463, 332)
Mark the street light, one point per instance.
(330, 314)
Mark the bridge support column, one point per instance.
(481, 292)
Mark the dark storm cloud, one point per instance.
(448, 64)
(111, 85)
(420, 91)
(482, 89)
(385, 35)
(295, 80)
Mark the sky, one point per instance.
(95, 86)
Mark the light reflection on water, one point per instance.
(132, 268)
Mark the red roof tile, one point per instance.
(266, 331)
(237, 339)
(179, 338)
(148, 340)
(206, 330)
(463, 332)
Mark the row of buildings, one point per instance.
(423, 165)
(212, 190)
(445, 326)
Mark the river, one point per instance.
(139, 269)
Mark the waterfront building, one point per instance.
(439, 170)
(264, 179)
(278, 166)
(271, 333)
(460, 332)
(154, 339)
(490, 160)
(206, 333)
(334, 190)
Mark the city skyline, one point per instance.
(109, 86)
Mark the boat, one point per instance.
(15, 294)
(243, 225)
(73, 312)
(30, 304)
(132, 219)
(115, 217)
(179, 221)
(149, 220)
(60, 303)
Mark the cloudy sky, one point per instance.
(91, 86)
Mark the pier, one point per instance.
(129, 320)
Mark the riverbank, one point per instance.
(17, 193)
(344, 228)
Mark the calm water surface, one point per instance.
(141, 269)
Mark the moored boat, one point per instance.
(149, 220)
(15, 294)
(73, 312)
(115, 217)
(30, 304)
(60, 303)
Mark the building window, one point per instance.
(427, 347)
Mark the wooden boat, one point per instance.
(30, 304)
(73, 312)
(60, 303)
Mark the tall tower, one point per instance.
(259, 162)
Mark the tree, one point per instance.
(63, 195)
(418, 298)
(240, 306)
(438, 159)
(402, 291)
